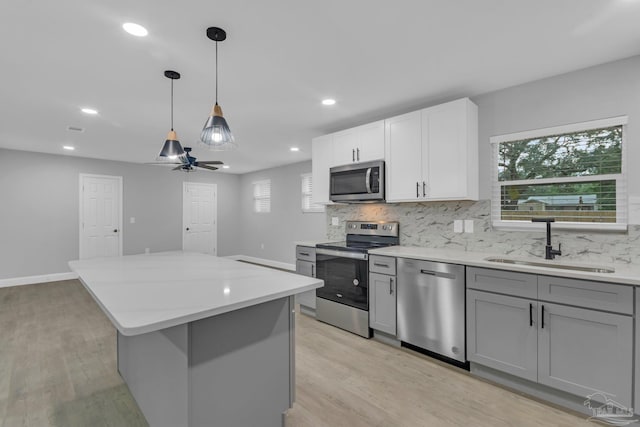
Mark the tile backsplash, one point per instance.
(431, 225)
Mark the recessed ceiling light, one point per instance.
(69, 147)
(135, 29)
(294, 149)
(328, 101)
(89, 111)
(225, 166)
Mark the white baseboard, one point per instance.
(30, 280)
(267, 262)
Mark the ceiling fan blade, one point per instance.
(211, 168)
(210, 162)
(163, 163)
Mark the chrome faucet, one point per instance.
(549, 252)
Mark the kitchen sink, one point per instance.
(550, 265)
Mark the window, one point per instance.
(572, 173)
(307, 192)
(262, 196)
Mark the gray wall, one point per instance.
(285, 224)
(599, 92)
(39, 209)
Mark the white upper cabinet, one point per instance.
(322, 160)
(432, 154)
(360, 144)
(403, 157)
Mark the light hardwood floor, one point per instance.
(58, 368)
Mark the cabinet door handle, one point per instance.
(358, 153)
(424, 191)
(530, 314)
(313, 270)
(390, 285)
(542, 321)
(353, 155)
(417, 189)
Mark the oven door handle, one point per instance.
(342, 254)
(367, 180)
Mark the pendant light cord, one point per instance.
(216, 72)
(171, 104)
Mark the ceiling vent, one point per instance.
(75, 129)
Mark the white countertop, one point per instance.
(145, 293)
(625, 274)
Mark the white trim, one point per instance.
(81, 176)
(556, 130)
(561, 225)
(31, 280)
(266, 262)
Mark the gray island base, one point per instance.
(202, 341)
(232, 369)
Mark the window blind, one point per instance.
(307, 195)
(262, 196)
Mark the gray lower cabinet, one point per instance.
(557, 336)
(502, 333)
(306, 265)
(584, 351)
(382, 303)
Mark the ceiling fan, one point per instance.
(188, 162)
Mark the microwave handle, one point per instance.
(367, 180)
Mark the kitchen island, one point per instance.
(202, 340)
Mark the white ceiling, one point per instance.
(376, 58)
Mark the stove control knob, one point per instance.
(356, 282)
(384, 227)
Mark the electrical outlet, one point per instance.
(147, 250)
(132, 220)
(335, 220)
(468, 226)
(458, 226)
(261, 245)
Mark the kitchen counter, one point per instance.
(625, 274)
(310, 243)
(146, 293)
(200, 336)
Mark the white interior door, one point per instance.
(100, 216)
(199, 218)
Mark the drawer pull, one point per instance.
(377, 264)
(304, 253)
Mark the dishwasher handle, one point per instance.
(438, 274)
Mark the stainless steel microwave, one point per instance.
(357, 182)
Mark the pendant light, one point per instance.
(216, 134)
(171, 148)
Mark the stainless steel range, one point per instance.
(344, 267)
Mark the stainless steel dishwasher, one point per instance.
(431, 307)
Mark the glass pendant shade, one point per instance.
(216, 134)
(171, 148)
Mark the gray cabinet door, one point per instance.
(502, 333)
(306, 268)
(382, 303)
(584, 351)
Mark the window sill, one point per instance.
(530, 226)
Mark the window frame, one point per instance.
(261, 197)
(622, 202)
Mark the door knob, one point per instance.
(187, 228)
(115, 230)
